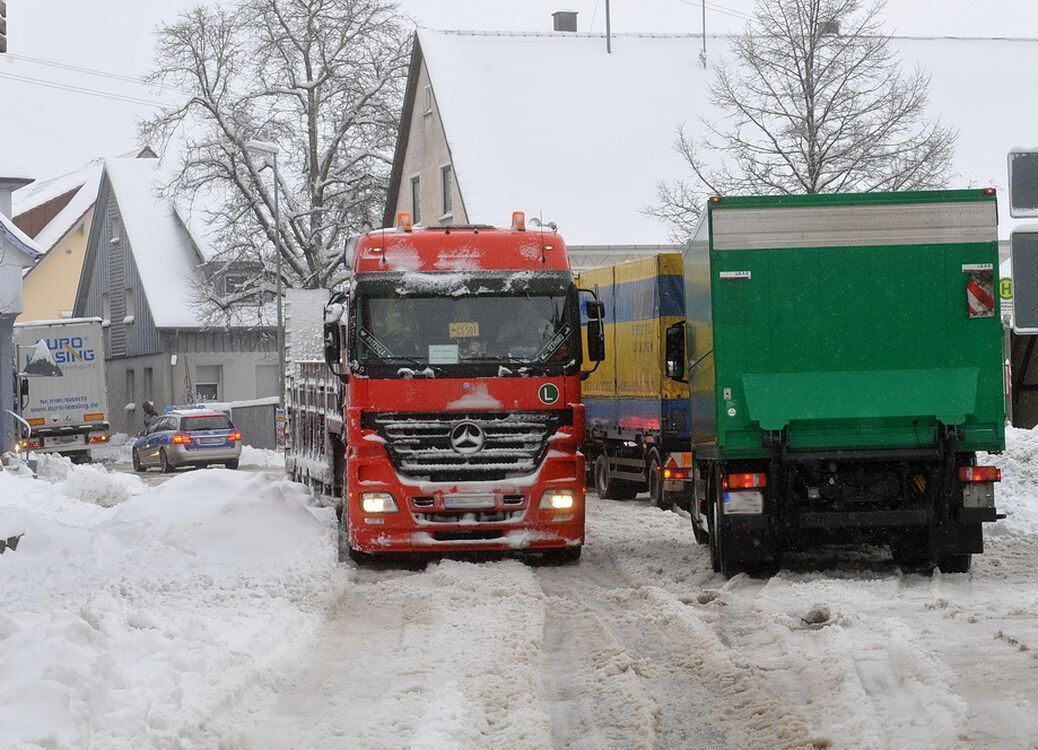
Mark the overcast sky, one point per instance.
(53, 42)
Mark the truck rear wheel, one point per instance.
(659, 498)
(608, 488)
(956, 563)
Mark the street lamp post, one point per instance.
(271, 149)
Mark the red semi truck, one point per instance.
(459, 355)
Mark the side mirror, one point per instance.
(596, 346)
(23, 389)
(334, 317)
(594, 310)
(675, 352)
(332, 344)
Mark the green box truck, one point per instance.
(845, 361)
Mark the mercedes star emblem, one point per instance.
(467, 438)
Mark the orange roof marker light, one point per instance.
(989, 191)
(518, 221)
(404, 222)
(715, 199)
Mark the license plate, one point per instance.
(63, 439)
(211, 441)
(468, 502)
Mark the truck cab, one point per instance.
(460, 355)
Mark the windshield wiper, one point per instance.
(417, 363)
(506, 358)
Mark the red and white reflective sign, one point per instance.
(980, 293)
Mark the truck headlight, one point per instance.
(377, 502)
(557, 500)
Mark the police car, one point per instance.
(187, 437)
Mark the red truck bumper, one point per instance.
(505, 515)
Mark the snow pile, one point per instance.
(1017, 494)
(446, 658)
(261, 457)
(127, 626)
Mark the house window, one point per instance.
(148, 379)
(207, 382)
(128, 298)
(131, 387)
(416, 199)
(428, 101)
(234, 281)
(446, 189)
(106, 307)
(116, 229)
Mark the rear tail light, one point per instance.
(95, 439)
(980, 474)
(675, 473)
(745, 481)
(182, 439)
(34, 443)
(234, 436)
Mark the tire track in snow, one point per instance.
(705, 697)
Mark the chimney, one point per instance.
(564, 20)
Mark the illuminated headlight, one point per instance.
(377, 502)
(557, 499)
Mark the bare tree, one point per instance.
(321, 78)
(814, 102)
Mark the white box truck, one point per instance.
(61, 386)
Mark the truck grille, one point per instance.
(443, 447)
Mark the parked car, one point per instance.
(188, 437)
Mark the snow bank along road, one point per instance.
(210, 612)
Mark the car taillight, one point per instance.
(745, 481)
(182, 439)
(234, 436)
(980, 474)
(675, 473)
(34, 443)
(95, 439)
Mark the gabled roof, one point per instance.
(12, 172)
(14, 237)
(550, 124)
(166, 257)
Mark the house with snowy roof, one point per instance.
(143, 271)
(17, 252)
(552, 124)
(58, 213)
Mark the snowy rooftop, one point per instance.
(551, 124)
(166, 257)
(12, 236)
(12, 169)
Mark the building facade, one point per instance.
(141, 276)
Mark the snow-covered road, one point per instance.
(210, 612)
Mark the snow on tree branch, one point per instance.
(813, 101)
(324, 80)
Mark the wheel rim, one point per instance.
(602, 476)
(655, 486)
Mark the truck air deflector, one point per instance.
(836, 226)
(775, 399)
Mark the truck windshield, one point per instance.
(452, 321)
